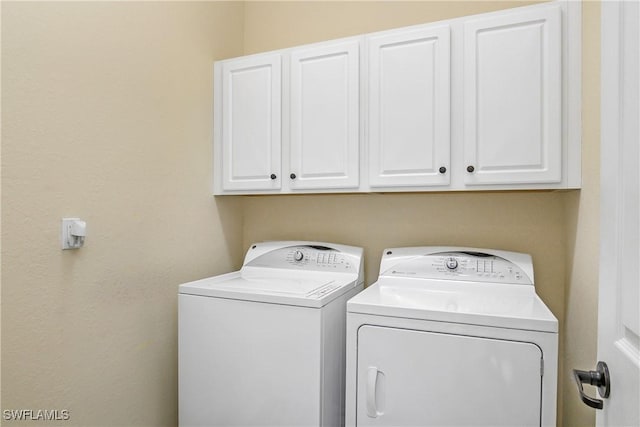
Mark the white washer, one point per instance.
(451, 336)
(265, 346)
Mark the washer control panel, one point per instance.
(463, 265)
(307, 257)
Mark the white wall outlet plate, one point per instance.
(74, 231)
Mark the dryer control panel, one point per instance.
(310, 257)
(463, 264)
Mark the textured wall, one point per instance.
(107, 112)
(274, 25)
(106, 115)
(583, 231)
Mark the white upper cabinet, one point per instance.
(324, 116)
(409, 107)
(513, 97)
(483, 102)
(249, 123)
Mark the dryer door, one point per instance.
(410, 378)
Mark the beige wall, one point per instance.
(553, 226)
(106, 115)
(582, 227)
(107, 112)
(274, 25)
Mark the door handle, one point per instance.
(372, 397)
(599, 378)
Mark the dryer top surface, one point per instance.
(457, 285)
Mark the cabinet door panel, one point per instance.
(418, 378)
(409, 112)
(251, 104)
(325, 116)
(512, 98)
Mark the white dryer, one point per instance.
(265, 346)
(451, 337)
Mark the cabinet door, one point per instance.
(324, 137)
(409, 113)
(417, 378)
(512, 97)
(251, 123)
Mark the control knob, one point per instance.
(451, 263)
(298, 256)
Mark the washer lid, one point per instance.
(303, 273)
(290, 289)
(491, 304)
